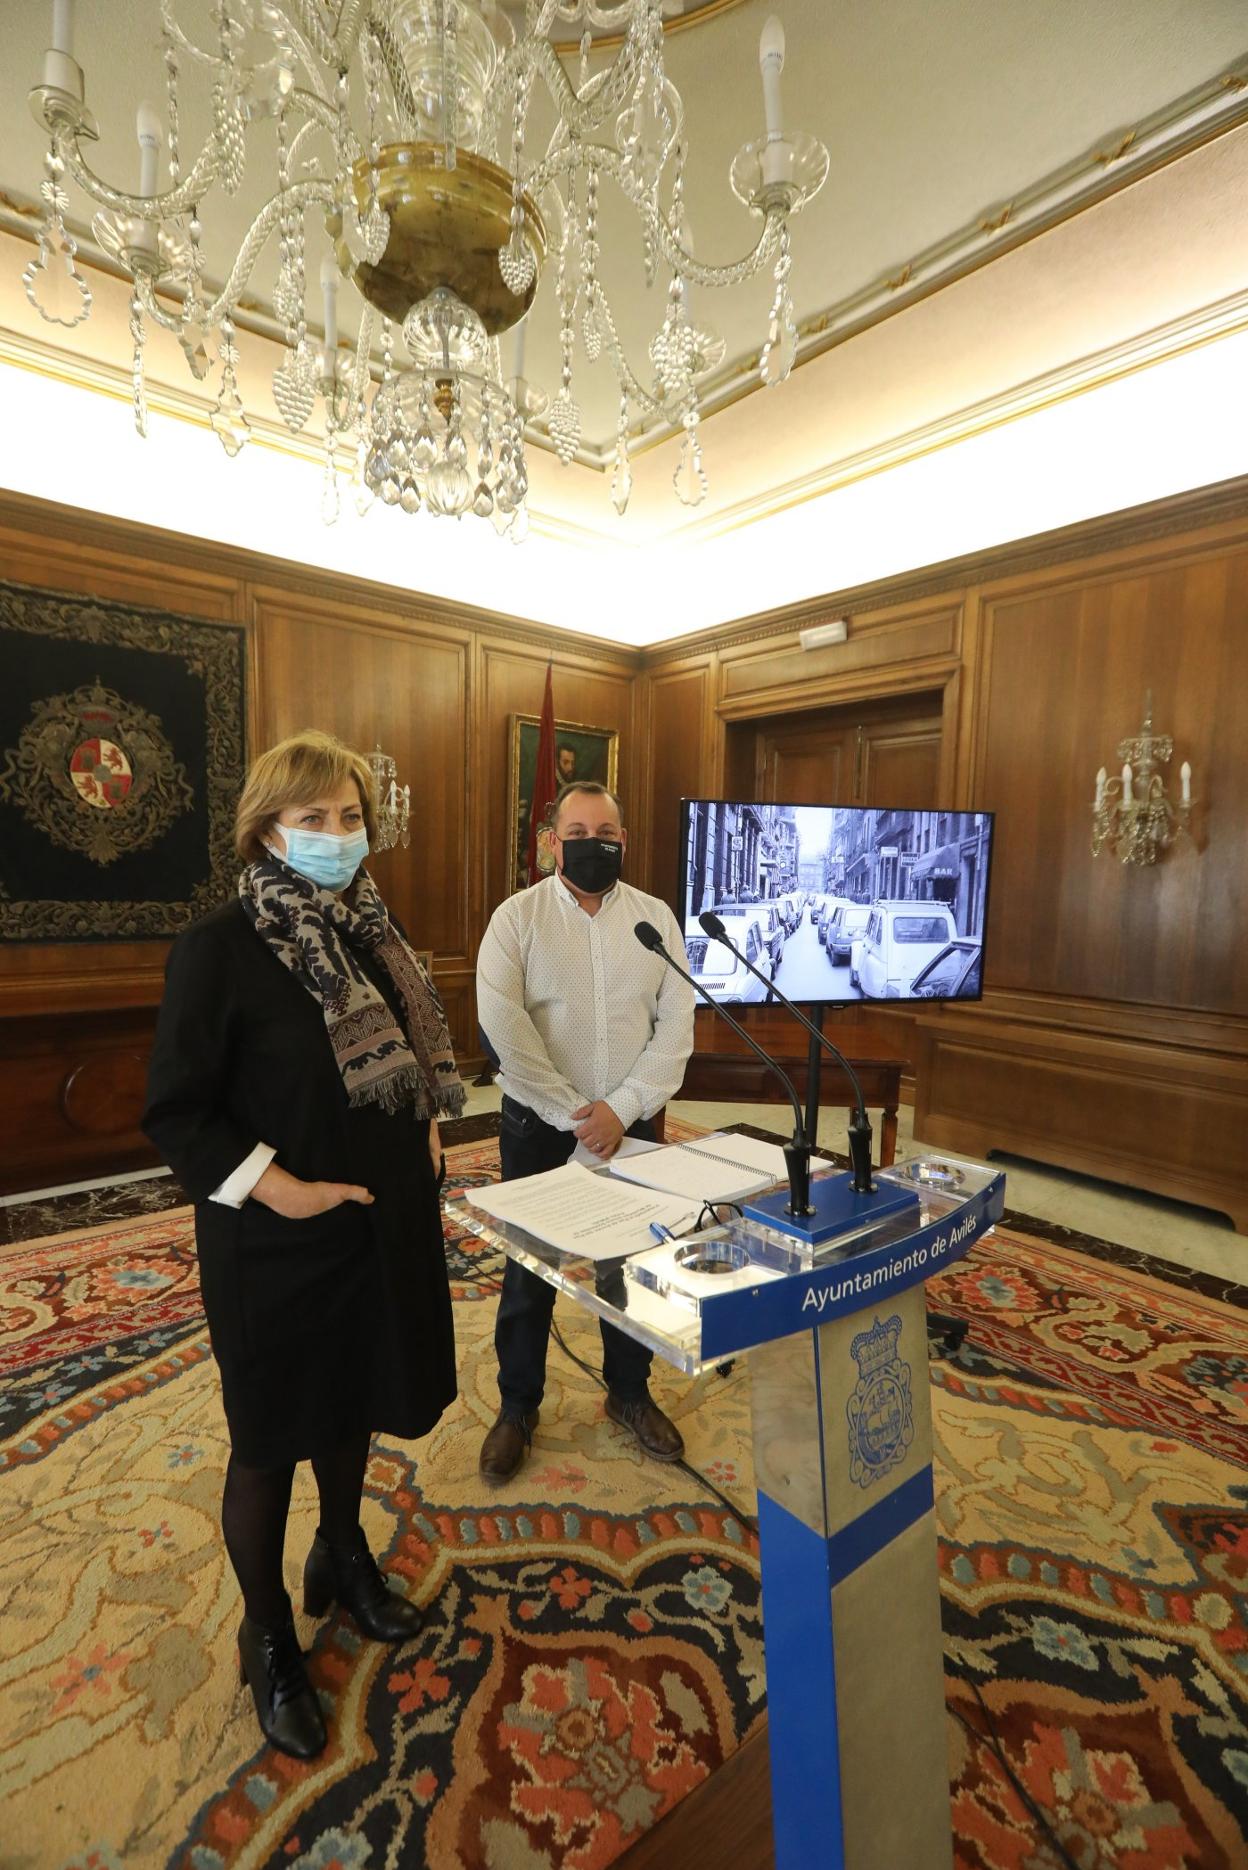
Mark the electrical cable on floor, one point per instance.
(487, 1279)
(991, 1738)
(742, 1518)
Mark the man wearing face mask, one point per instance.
(593, 1033)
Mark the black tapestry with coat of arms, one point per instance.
(122, 755)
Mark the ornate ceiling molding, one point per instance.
(1114, 162)
(1091, 372)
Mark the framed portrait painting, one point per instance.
(581, 752)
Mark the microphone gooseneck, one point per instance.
(796, 1153)
(860, 1126)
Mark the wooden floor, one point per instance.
(727, 1820)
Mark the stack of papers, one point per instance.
(581, 1212)
(715, 1168)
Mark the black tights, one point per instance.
(253, 1518)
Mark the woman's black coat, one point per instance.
(323, 1327)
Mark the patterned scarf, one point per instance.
(317, 935)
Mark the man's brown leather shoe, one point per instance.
(657, 1435)
(505, 1446)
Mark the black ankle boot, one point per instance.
(354, 1580)
(286, 1705)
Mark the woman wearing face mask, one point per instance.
(300, 1064)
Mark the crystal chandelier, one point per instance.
(1133, 814)
(394, 802)
(405, 155)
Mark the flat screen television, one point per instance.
(835, 902)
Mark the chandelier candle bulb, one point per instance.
(1126, 785)
(147, 126)
(63, 27)
(1185, 782)
(1101, 777)
(771, 64)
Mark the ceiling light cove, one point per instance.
(414, 158)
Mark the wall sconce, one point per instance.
(1134, 814)
(393, 804)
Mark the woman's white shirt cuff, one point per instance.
(236, 1187)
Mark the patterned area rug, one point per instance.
(593, 1644)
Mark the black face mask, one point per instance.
(592, 864)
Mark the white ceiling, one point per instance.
(935, 114)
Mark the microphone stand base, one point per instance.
(838, 1208)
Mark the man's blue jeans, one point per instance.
(528, 1146)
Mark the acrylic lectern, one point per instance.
(836, 1338)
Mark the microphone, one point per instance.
(796, 1153)
(860, 1127)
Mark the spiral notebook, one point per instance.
(715, 1168)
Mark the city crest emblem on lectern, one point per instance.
(880, 1409)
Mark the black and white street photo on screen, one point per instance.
(836, 902)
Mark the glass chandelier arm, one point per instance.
(323, 43)
(168, 20)
(350, 26)
(574, 156)
(146, 295)
(166, 207)
(298, 43)
(615, 351)
(300, 195)
(321, 114)
(584, 117)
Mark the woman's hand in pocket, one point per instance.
(299, 1201)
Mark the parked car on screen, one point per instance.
(844, 926)
(954, 974)
(828, 909)
(715, 966)
(771, 928)
(902, 935)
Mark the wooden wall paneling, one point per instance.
(376, 679)
(1151, 1116)
(881, 647)
(962, 733)
(680, 714)
(71, 1093)
(1069, 665)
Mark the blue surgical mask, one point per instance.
(323, 858)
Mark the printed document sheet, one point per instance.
(629, 1146)
(714, 1168)
(594, 1216)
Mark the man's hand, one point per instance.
(597, 1126)
(299, 1201)
(435, 1147)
